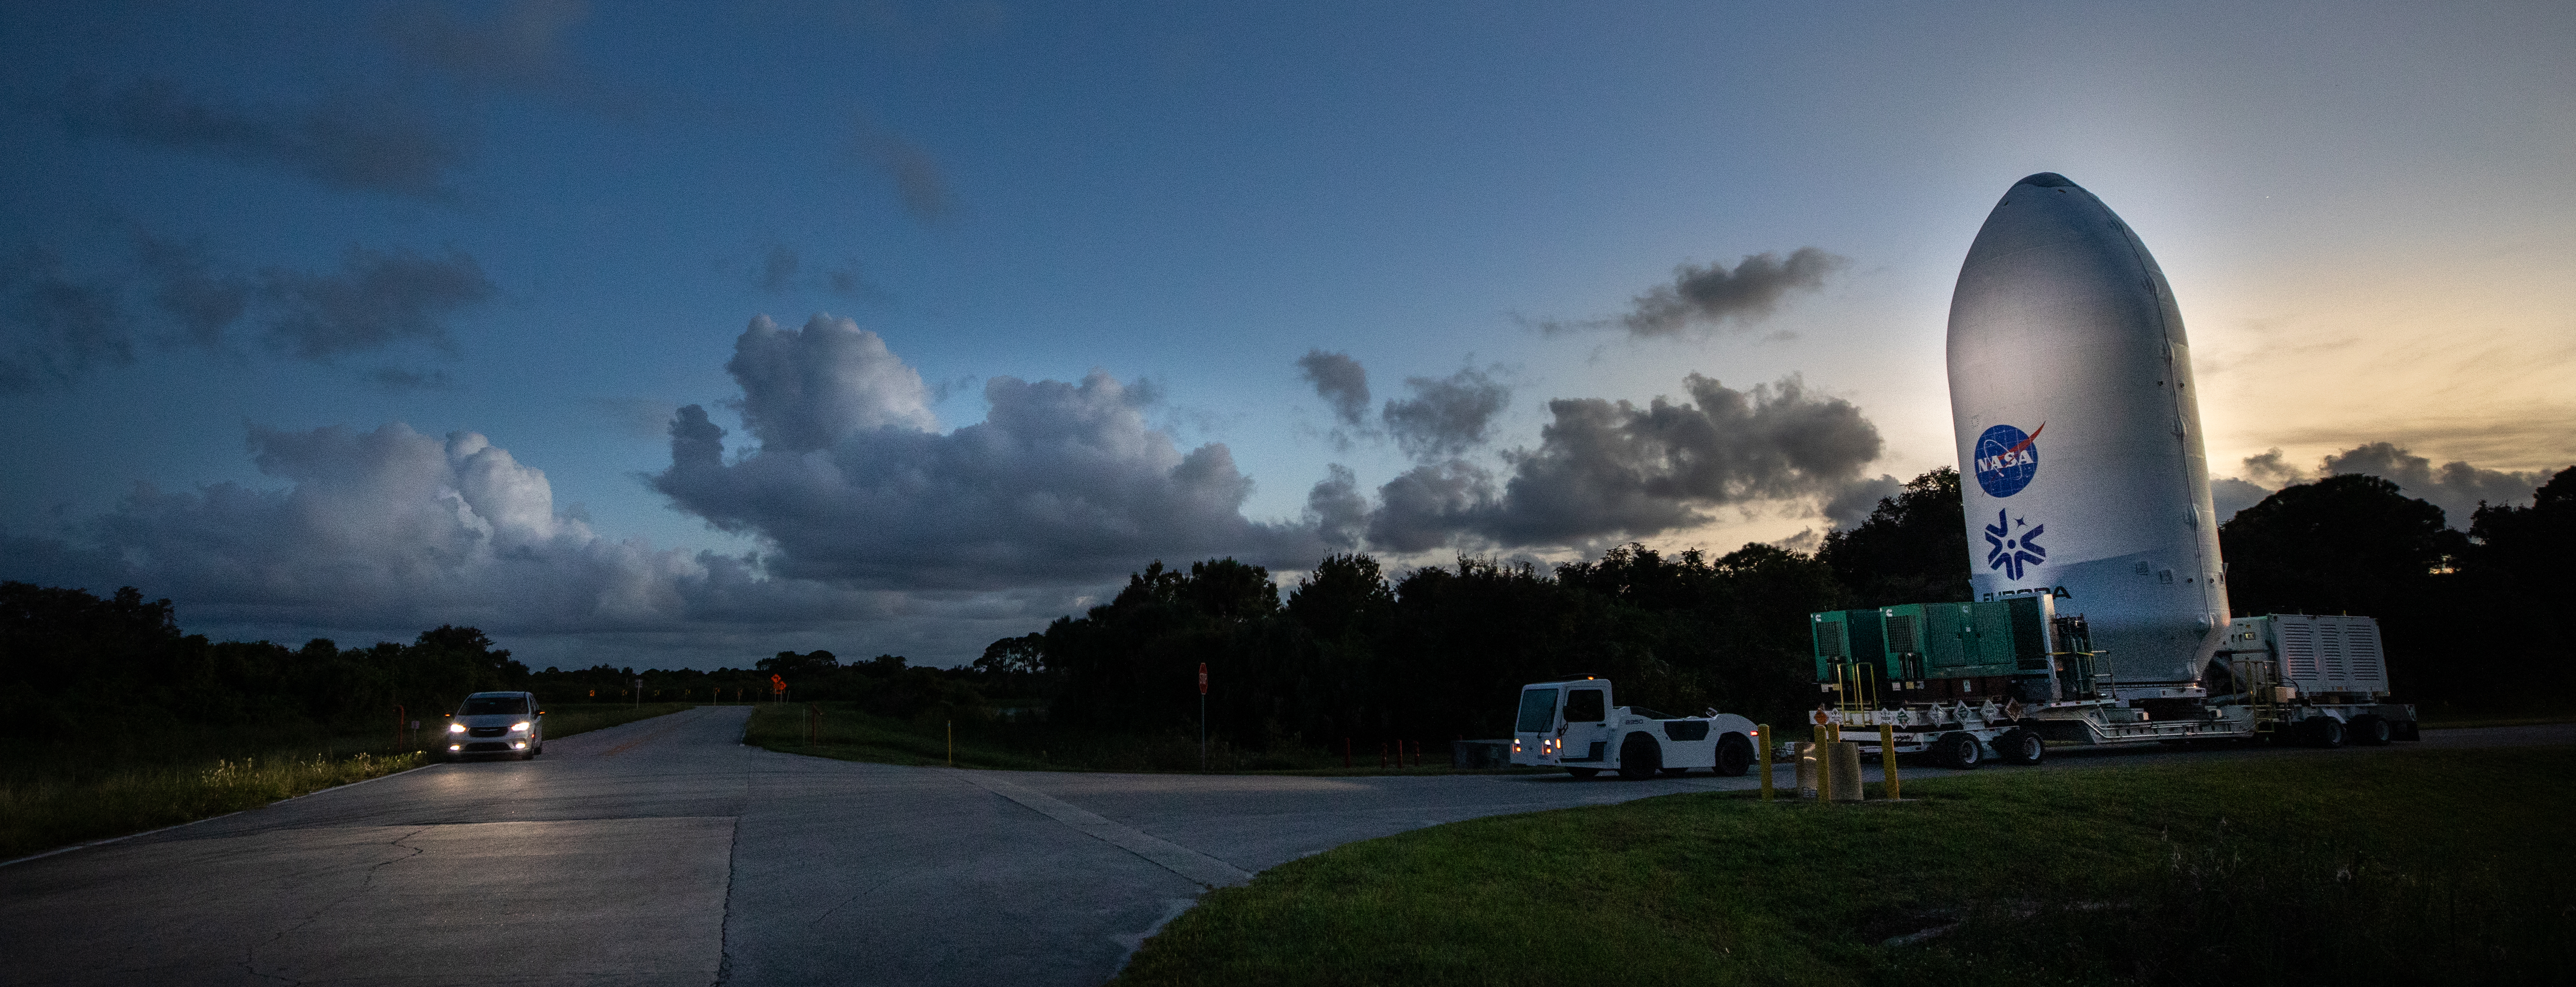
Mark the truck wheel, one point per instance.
(1583, 772)
(1734, 755)
(1957, 751)
(2325, 731)
(2371, 731)
(2018, 746)
(1640, 756)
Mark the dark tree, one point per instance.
(2344, 544)
(1912, 549)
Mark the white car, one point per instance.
(497, 723)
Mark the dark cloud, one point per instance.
(1853, 504)
(1337, 508)
(2456, 487)
(56, 326)
(187, 286)
(1340, 381)
(399, 379)
(376, 299)
(1610, 469)
(519, 48)
(782, 270)
(916, 175)
(353, 140)
(1710, 296)
(1446, 416)
(1062, 483)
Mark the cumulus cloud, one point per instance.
(377, 298)
(1062, 482)
(802, 390)
(1337, 508)
(1445, 417)
(1341, 382)
(55, 325)
(2456, 487)
(1606, 469)
(387, 528)
(353, 140)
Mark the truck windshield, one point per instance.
(1584, 706)
(1538, 710)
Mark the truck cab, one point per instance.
(1574, 724)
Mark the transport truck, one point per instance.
(1573, 723)
(2010, 678)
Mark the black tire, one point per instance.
(2371, 731)
(1583, 772)
(1734, 755)
(1640, 756)
(2325, 731)
(2018, 746)
(1957, 751)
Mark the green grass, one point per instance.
(2350, 867)
(124, 782)
(851, 735)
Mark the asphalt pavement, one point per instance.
(666, 852)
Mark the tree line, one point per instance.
(1354, 652)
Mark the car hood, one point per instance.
(500, 720)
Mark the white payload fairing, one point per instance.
(2078, 426)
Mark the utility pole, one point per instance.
(1202, 716)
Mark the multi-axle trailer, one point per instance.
(2009, 678)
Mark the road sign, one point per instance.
(777, 684)
(1202, 678)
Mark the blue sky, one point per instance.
(550, 225)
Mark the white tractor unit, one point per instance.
(1571, 724)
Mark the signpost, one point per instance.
(1202, 716)
(778, 687)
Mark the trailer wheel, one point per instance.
(2325, 731)
(1734, 755)
(1583, 772)
(2372, 731)
(2018, 746)
(1640, 756)
(1957, 751)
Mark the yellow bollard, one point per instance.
(1824, 763)
(1762, 752)
(1895, 788)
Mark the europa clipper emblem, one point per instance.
(2010, 552)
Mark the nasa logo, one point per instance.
(2010, 551)
(2007, 459)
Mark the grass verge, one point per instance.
(59, 795)
(850, 735)
(2348, 867)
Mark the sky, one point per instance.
(670, 335)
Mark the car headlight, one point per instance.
(519, 727)
(456, 728)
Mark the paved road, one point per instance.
(664, 852)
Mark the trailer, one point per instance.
(1572, 723)
(2007, 679)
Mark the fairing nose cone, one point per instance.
(2062, 322)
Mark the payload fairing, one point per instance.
(2078, 425)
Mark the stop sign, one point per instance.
(1202, 678)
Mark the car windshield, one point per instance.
(493, 705)
(1538, 710)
